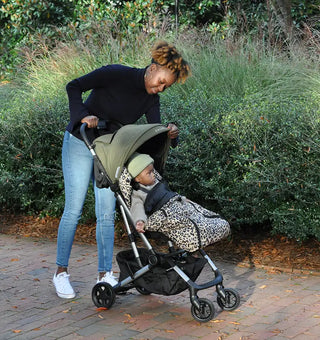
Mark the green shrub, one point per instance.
(254, 165)
(248, 120)
(23, 22)
(249, 144)
(33, 117)
(31, 139)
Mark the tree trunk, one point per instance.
(283, 11)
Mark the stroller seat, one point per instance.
(187, 224)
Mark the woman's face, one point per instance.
(158, 78)
(146, 176)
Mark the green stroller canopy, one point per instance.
(113, 150)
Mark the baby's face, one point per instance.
(146, 176)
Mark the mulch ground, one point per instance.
(276, 253)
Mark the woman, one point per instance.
(120, 94)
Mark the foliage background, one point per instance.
(248, 116)
(23, 24)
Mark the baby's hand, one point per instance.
(140, 226)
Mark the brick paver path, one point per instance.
(273, 305)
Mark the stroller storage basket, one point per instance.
(160, 279)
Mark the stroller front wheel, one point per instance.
(231, 300)
(103, 295)
(206, 311)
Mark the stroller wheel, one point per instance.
(143, 291)
(103, 295)
(206, 311)
(231, 301)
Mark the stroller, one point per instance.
(145, 269)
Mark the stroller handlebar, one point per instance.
(84, 135)
(102, 124)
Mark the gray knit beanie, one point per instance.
(138, 162)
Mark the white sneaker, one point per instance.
(63, 286)
(108, 278)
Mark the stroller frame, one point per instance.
(202, 309)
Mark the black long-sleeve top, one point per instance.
(118, 94)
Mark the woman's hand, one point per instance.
(92, 121)
(140, 227)
(173, 131)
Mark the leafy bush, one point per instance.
(33, 117)
(248, 119)
(25, 24)
(22, 22)
(31, 139)
(253, 164)
(249, 141)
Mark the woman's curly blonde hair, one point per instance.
(165, 54)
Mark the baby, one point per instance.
(155, 207)
(141, 168)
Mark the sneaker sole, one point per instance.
(66, 296)
(61, 295)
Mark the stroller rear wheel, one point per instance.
(231, 301)
(206, 311)
(103, 295)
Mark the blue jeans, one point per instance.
(77, 164)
